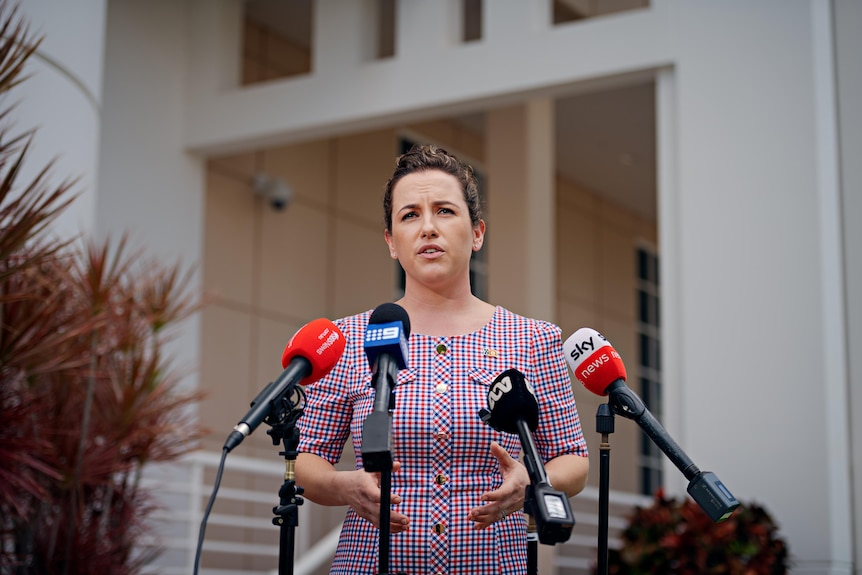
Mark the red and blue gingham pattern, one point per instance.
(443, 446)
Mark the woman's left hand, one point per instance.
(506, 499)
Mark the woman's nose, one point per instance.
(429, 228)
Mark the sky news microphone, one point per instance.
(309, 355)
(386, 349)
(512, 408)
(599, 368)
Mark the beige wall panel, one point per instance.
(229, 239)
(441, 132)
(506, 202)
(306, 168)
(365, 275)
(472, 146)
(362, 164)
(578, 197)
(571, 316)
(464, 143)
(226, 346)
(646, 230)
(617, 217)
(294, 244)
(577, 253)
(617, 269)
(239, 166)
(272, 336)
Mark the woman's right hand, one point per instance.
(363, 492)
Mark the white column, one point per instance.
(62, 99)
(521, 235)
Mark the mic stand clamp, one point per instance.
(282, 420)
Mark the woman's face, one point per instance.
(432, 236)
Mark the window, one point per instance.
(573, 10)
(472, 20)
(276, 39)
(649, 362)
(385, 29)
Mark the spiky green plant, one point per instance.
(87, 396)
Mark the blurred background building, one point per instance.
(682, 176)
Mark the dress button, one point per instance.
(441, 349)
(441, 435)
(441, 387)
(440, 479)
(439, 528)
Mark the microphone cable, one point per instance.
(286, 417)
(208, 509)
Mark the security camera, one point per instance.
(276, 192)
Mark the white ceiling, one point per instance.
(605, 142)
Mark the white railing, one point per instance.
(241, 539)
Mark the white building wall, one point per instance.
(760, 393)
(848, 44)
(745, 196)
(61, 99)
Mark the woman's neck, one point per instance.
(436, 315)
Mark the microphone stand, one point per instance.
(377, 448)
(282, 418)
(605, 426)
(532, 546)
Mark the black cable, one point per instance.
(208, 509)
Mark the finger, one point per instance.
(396, 465)
(398, 522)
(486, 515)
(504, 460)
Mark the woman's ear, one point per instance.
(478, 235)
(388, 237)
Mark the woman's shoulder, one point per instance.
(509, 319)
(353, 324)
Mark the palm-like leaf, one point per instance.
(87, 398)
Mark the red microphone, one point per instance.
(319, 342)
(309, 355)
(595, 363)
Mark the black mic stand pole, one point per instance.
(605, 426)
(284, 414)
(377, 448)
(532, 546)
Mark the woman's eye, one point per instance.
(408, 215)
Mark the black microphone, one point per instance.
(386, 350)
(598, 366)
(512, 408)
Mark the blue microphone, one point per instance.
(386, 349)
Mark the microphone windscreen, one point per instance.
(391, 312)
(511, 398)
(320, 342)
(593, 361)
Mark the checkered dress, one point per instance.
(443, 446)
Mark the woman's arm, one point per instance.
(568, 473)
(325, 485)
